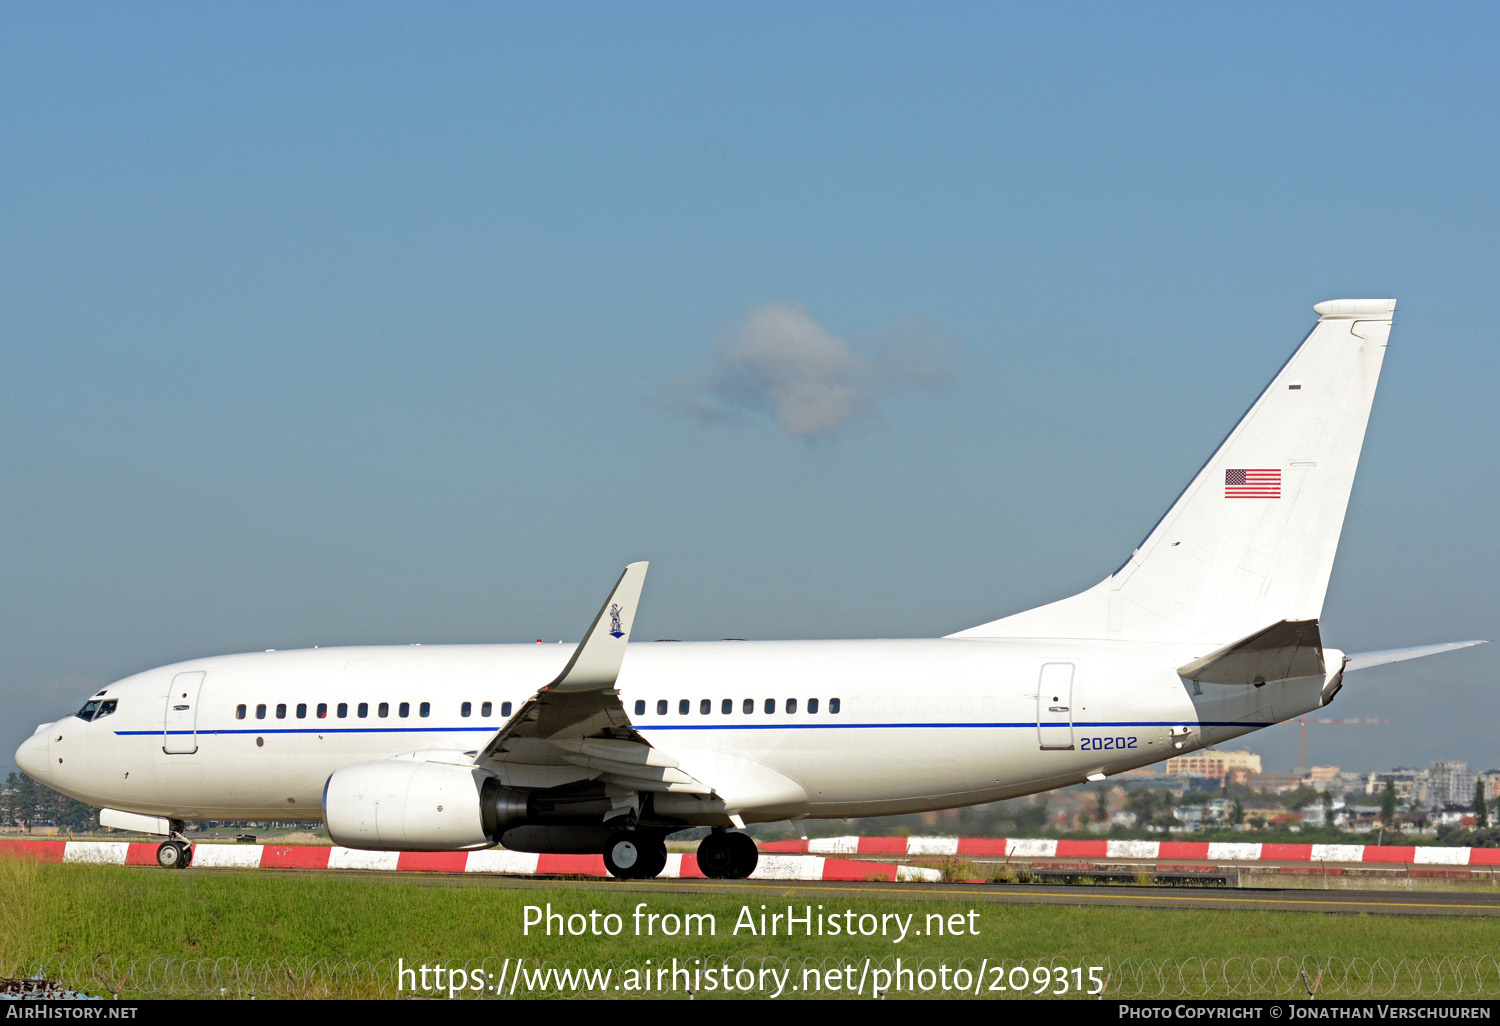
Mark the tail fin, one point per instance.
(1251, 540)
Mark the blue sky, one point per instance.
(376, 323)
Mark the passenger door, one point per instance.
(179, 734)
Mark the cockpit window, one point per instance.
(96, 709)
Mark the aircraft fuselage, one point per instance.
(878, 727)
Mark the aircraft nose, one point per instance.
(31, 757)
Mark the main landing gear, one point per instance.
(635, 855)
(724, 855)
(174, 855)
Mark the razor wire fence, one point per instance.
(1287, 977)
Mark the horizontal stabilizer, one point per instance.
(1365, 660)
(1291, 648)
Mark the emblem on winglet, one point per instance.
(615, 630)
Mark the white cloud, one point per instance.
(782, 364)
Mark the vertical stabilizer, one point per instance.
(1251, 540)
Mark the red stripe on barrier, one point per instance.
(1083, 849)
(981, 846)
(35, 851)
(433, 861)
(1183, 850)
(295, 856)
(882, 846)
(570, 865)
(1390, 853)
(1484, 856)
(141, 853)
(848, 869)
(1288, 852)
(794, 847)
(690, 870)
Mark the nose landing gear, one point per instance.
(174, 855)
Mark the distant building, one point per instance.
(1450, 783)
(1273, 782)
(1411, 785)
(1491, 780)
(1455, 815)
(1315, 815)
(1211, 764)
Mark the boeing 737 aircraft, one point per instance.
(1209, 630)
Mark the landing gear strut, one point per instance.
(634, 855)
(174, 855)
(727, 856)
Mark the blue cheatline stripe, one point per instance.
(1028, 725)
(318, 730)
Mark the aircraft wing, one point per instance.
(1364, 660)
(578, 721)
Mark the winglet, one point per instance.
(596, 661)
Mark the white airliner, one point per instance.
(1209, 630)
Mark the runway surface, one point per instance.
(1330, 901)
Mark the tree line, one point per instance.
(27, 804)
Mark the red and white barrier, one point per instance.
(1211, 851)
(780, 860)
(511, 863)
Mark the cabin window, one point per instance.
(239, 712)
(727, 706)
(89, 708)
(404, 710)
(504, 708)
(322, 710)
(364, 709)
(749, 706)
(105, 708)
(791, 705)
(486, 709)
(343, 710)
(683, 706)
(640, 707)
(301, 710)
(661, 707)
(425, 709)
(281, 710)
(383, 710)
(260, 712)
(833, 706)
(770, 705)
(812, 705)
(465, 709)
(705, 707)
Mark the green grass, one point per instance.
(122, 918)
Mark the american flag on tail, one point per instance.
(1252, 484)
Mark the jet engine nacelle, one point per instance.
(410, 805)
